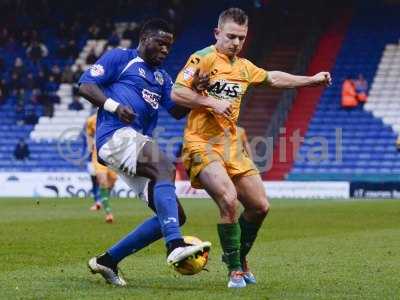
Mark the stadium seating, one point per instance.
(11, 131)
(56, 143)
(368, 134)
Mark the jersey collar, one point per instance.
(224, 56)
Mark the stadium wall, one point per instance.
(78, 184)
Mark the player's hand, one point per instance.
(322, 79)
(222, 107)
(201, 81)
(125, 114)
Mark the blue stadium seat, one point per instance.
(368, 145)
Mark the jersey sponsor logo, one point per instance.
(151, 98)
(159, 77)
(96, 70)
(142, 72)
(188, 73)
(225, 90)
(195, 60)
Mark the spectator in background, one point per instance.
(62, 50)
(3, 91)
(15, 83)
(349, 95)
(113, 39)
(30, 117)
(132, 33)
(48, 106)
(30, 82)
(31, 102)
(49, 96)
(11, 44)
(35, 96)
(25, 38)
(72, 50)
(51, 88)
(361, 86)
(91, 58)
(106, 27)
(55, 72)
(94, 32)
(75, 104)
(19, 114)
(21, 151)
(36, 51)
(67, 75)
(77, 72)
(62, 31)
(18, 67)
(20, 97)
(41, 79)
(75, 30)
(3, 36)
(2, 64)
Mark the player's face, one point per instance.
(157, 47)
(230, 38)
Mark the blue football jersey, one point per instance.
(128, 79)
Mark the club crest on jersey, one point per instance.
(96, 70)
(159, 77)
(142, 72)
(225, 90)
(151, 98)
(188, 73)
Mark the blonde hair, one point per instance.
(234, 14)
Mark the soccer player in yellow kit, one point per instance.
(211, 153)
(105, 177)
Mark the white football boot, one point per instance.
(109, 274)
(181, 253)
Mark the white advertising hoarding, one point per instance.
(79, 185)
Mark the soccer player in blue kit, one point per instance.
(129, 87)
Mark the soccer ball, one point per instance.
(192, 265)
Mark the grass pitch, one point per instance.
(311, 249)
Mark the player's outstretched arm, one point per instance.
(186, 97)
(95, 95)
(278, 79)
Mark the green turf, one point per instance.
(306, 250)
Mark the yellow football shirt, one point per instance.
(91, 125)
(229, 80)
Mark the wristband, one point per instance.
(110, 105)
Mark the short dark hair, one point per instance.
(234, 14)
(155, 25)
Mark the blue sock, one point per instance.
(167, 210)
(146, 233)
(96, 194)
(95, 189)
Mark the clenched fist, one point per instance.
(322, 79)
(125, 114)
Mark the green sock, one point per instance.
(229, 235)
(105, 199)
(248, 236)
